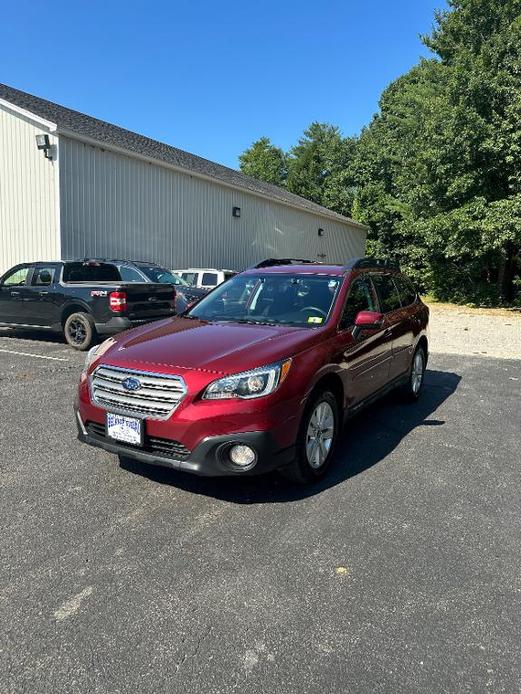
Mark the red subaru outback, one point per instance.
(260, 373)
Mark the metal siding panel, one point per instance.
(28, 195)
(114, 205)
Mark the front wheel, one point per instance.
(79, 331)
(316, 440)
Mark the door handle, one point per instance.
(15, 293)
(388, 332)
(43, 293)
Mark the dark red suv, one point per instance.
(260, 373)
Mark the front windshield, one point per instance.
(159, 274)
(273, 299)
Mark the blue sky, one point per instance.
(210, 77)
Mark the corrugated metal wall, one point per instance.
(117, 206)
(28, 195)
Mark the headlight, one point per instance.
(97, 351)
(249, 384)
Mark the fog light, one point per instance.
(242, 456)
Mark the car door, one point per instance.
(11, 295)
(365, 357)
(396, 321)
(405, 340)
(42, 297)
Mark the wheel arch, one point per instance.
(76, 307)
(423, 342)
(330, 381)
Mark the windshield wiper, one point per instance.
(253, 322)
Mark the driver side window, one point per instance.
(360, 298)
(17, 278)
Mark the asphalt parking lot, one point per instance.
(401, 572)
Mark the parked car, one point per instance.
(204, 278)
(260, 373)
(141, 271)
(81, 299)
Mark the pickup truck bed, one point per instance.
(46, 295)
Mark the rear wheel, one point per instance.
(412, 389)
(316, 440)
(79, 331)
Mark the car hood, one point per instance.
(217, 347)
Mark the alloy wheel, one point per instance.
(320, 434)
(77, 331)
(417, 372)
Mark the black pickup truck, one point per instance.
(81, 299)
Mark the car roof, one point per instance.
(298, 269)
(203, 269)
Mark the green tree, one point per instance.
(319, 167)
(264, 161)
(439, 167)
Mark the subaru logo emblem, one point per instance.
(131, 383)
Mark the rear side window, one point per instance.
(407, 291)
(229, 275)
(209, 279)
(360, 298)
(43, 276)
(387, 293)
(91, 272)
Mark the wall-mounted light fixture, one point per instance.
(43, 142)
(321, 232)
(236, 211)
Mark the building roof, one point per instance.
(68, 121)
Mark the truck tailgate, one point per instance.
(149, 300)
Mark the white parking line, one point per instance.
(28, 354)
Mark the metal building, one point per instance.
(74, 186)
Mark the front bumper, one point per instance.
(208, 459)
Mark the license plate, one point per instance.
(125, 429)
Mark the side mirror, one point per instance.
(367, 320)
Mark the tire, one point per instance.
(313, 456)
(412, 390)
(79, 331)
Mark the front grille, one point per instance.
(157, 396)
(152, 444)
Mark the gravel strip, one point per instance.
(455, 330)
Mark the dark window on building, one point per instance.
(387, 293)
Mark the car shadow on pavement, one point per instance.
(33, 335)
(366, 440)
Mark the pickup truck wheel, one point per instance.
(316, 440)
(79, 331)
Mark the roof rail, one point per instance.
(380, 263)
(272, 262)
